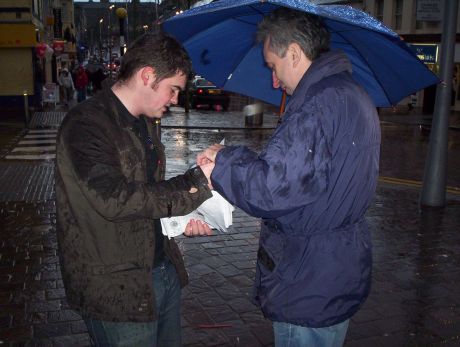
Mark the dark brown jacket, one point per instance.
(105, 213)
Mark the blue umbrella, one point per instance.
(220, 39)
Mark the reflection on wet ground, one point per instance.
(403, 151)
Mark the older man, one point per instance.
(312, 185)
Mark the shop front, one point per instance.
(428, 54)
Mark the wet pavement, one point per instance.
(415, 298)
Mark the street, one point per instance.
(415, 297)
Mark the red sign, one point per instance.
(40, 49)
(58, 46)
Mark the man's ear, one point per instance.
(294, 53)
(147, 75)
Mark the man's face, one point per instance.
(281, 69)
(158, 96)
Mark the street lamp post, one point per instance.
(121, 14)
(109, 39)
(100, 38)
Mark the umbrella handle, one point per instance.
(283, 104)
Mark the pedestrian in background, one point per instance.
(119, 271)
(81, 82)
(96, 79)
(39, 80)
(312, 185)
(66, 83)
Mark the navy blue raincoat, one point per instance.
(312, 185)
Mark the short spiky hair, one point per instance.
(285, 26)
(159, 51)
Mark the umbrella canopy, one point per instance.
(220, 39)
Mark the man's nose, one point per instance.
(276, 81)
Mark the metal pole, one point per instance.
(109, 40)
(157, 127)
(100, 39)
(434, 179)
(26, 108)
(127, 25)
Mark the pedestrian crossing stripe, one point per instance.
(42, 131)
(34, 142)
(40, 136)
(32, 157)
(37, 144)
(35, 149)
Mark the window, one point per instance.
(379, 10)
(398, 9)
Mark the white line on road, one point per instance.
(36, 142)
(43, 136)
(43, 131)
(32, 157)
(35, 149)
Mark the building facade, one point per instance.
(98, 28)
(35, 35)
(419, 23)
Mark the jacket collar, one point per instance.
(120, 113)
(327, 64)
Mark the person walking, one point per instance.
(97, 78)
(311, 185)
(119, 271)
(81, 82)
(66, 82)
(39, 80)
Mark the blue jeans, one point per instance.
(290, 335)
(165, 332)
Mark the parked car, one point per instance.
(205, 94)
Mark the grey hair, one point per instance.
(285, 26)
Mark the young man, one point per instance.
(119, 271)
(312, 185)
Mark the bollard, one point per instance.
(253, 114)
(26, 108)
(158, 128)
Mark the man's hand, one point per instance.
(209, 154)
(207, 170)
(197, 228)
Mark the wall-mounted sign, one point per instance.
(428, 53)
(57, 26)
(429, 10)
(17, 35)
(58, 46)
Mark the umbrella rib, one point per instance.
(244, 55)
(375, 77)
